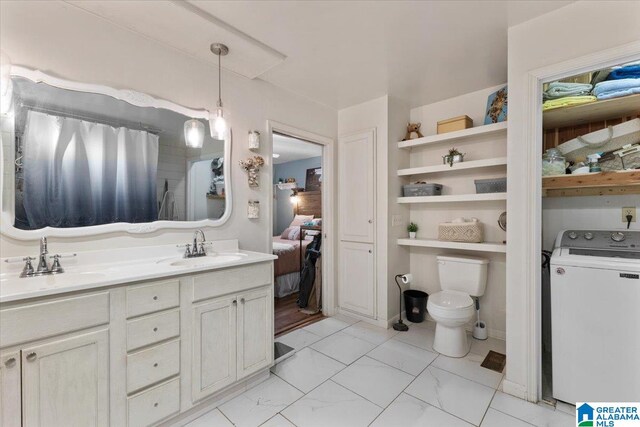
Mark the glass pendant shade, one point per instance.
(6, 85)
(218, 125)
(193, 133)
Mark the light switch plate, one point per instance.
(629, 210)
(396, 220)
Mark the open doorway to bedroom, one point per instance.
(297, 232)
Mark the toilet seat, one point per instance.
(451, 300)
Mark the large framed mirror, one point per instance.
(82, 159)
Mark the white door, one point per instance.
(10, 399)
(357, 186)
(356, 285)
(255, 331)
(214, 347)
(66, 382)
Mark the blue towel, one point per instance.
(626, 72)
(616, 88)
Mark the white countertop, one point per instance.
(99, 269)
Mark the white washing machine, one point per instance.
(595, 316)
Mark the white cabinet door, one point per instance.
(255, 331)
(66, 382)
(10, 399)
(214, 347)
(357, 186)
(356, 286)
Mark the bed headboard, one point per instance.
(310, 203)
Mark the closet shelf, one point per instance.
(456, 136)
(592, 112)
(454, 198)
(592, 184)
(432, 243)
(473, 164)
(215, 197)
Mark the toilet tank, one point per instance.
(463, 273)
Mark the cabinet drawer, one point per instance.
(152, 365)
(154, 404)
(152, 329)
(45, 319)
(232, 280)
(148, 298)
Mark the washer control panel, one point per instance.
(627, 240)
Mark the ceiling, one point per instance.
(291, 149)
(342, 53)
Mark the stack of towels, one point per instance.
(560, 94)
(621, 81)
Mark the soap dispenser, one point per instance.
(594, 166)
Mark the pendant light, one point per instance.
(193, 133)
(217, 123)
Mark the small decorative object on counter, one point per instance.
(421, 188)
(454, 124)
(491, 185)
(461, 230)
(252, 167)
(253, 210)
(496, 107)
(553, 163)
(254, 140)
(413, 128)
(412, 228)
(593, 162)
(454, 156)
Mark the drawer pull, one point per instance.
(235, 302)
(155, 405)
(242, 300)
(10, 362)
(155, 365)
(155, 329)
(31, 356)
(155, 297)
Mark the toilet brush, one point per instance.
(480, 328)
(406, 279)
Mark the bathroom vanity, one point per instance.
(133, 343)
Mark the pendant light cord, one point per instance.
(219, 81)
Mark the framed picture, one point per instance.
(496, 107)
(314, 180)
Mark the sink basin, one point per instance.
(205, 260)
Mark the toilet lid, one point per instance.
(451, 299)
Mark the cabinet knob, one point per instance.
(155, 365)
(235, 302)
(370, 251)
(370, 221)
(242, 300)
(10, 362)
(155, 329)
(155, 405)
(155, 297)
(31, 356)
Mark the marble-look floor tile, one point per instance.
(429, 324)
(406, 357)
(278, 421)
(530, 412)
(346, 319)
(495, 418)
(374, 380)
(419, 337)
(298, 339)
(482, 347)
(258, 404)
(371, 333)
(326, 327)
(456, 395)
(407, 411)
(469, 368)
(343, 347)
(332, 405)
(210, 419)
(307, 369)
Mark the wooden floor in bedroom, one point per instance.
(289, 317)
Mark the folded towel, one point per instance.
(561, 89)
(615, 88)
(567, 102)
(279, 248)
(626, 72)
(620, 92)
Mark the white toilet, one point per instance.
(461, 277)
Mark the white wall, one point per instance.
(549, 39)
(423, 260)
(67, 42)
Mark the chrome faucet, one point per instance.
(198, 248)
(43, 267)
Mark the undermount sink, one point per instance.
(205, 260)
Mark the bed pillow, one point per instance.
(291, 233)
(298, 220)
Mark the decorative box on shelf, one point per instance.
(461, 231)
(454, 124)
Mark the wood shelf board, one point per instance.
(433, 243)
(454, 198)
(592, 184)
(215, 197)
(592, 112)
(473, 164)
(455, 136)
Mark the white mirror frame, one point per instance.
(7, 215)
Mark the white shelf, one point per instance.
(456, 136)
(474, 164)
(454, 198)
(431, 243)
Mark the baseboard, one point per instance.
(377, 322)
(514, 389)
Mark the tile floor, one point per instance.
(349, 373)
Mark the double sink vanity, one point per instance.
(135, 336)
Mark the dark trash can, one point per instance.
(415, 305)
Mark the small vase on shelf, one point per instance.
(412, 228)
(412, 234)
